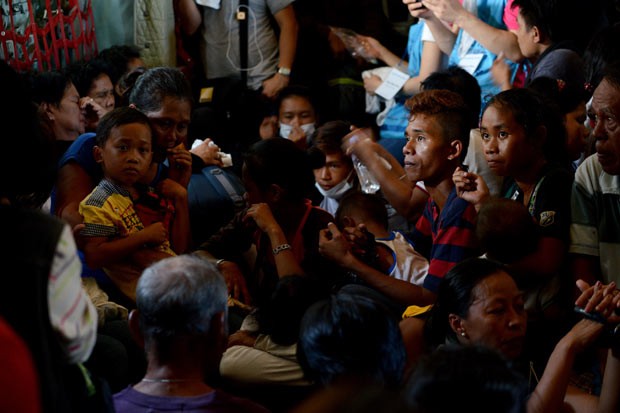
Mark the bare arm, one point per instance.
(585, 267)
(333, 245)
(287, 45)
(550, 391)
(430, 62)
(396, 188)
(493, 39)
(546, 260)
(180, 233)
(102, 251)
(73, 184)
(190, 15)
(285, 261)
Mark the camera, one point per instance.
(610, 336)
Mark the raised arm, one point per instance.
(401, 193)
(430, 62)
(180, 233)
(493, 39)
(283, 255)
(190, 15)
(444, 36)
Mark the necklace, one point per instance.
(168, 380)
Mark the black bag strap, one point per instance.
(242, 17)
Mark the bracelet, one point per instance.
(280, 248)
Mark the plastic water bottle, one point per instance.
(368, 182)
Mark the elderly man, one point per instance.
(595, 229)
(181, 322)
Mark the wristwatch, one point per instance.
(284, 71)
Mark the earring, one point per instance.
(463, 333)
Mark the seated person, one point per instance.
(278, 234)
(544, 33)
(479, 379)
(333, 172)
(115, 238)
(92, 81)
(350, 336)
(524, 141)
(478, 303)
(122, 59)
(437, 138)
(180, 321)
(393, 252)
(296, 116)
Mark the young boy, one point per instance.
(393, 251)
(116, 238)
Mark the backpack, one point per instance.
(215, 196)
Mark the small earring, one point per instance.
(462, 333)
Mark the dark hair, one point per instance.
(478, 379)
(612, 74)
(505, 230)
(449, 107)
(157, 84)
(555, 19)
(84, 73)
(119, 117)
(49, 87)
(327, 139)
(126, 83)
(281, 316)
(457, 80)
(25, 184)
(368, 206)
(351, 336)
(118, 57)
(602, 50)
(297, 90)
(567, 96)
(455, 296)
(532, 110)
(281, 162)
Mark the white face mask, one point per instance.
(285, 130)
(337, 191)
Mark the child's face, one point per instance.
(335, 170)
(127, 154)
(576, 131)
(296, 111)
(426, 151)
(507, 148)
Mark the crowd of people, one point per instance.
(248, 236)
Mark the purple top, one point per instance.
(132, 401)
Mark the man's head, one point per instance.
(543, 23)
(359, 207)
(605, 119)
(276, 170)
(437, 135)
(181, 298)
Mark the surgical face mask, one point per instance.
(337, 191)
(285, 130)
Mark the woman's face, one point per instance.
(576, 131)
(170, 123)
(102, 92)
(507, 148)
(335, 170)
(496, 316)
(68, 119)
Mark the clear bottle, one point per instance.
(368, 182)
